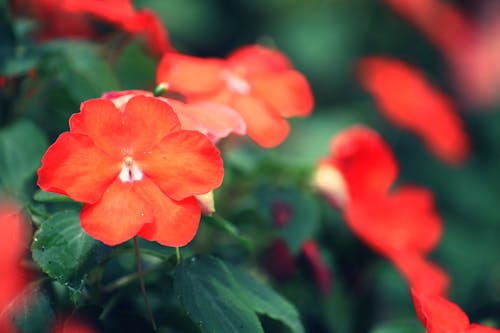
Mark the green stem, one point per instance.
(141, 280)
(178, 254)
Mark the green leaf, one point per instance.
(299, 211)
(63, 250)
(22, 145)
(211, 297)
(229, 228)
(34, 314)
(81, 68)
(43, 196)
(264, 300)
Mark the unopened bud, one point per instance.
(330, 182)
(160, 89)
(206, 202)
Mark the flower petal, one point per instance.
(190, 75)
(138, 128)
(184, 164)
(365, 160)
(75, 167)
(437, 314)
(175, 222)
(258, 59)
(155, 34)
(263, 126)
(103, 123)
(214, 120)
(403, 221)
(118, 216)
(406, 98)
(149, 120)
(288, 92)
(422, 274)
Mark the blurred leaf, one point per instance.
(22, 145)
(400, 326)
(20, 63)
(134, 68)
(295, 214)
(63, 250)
(34, 313)
(210, 296)
(81, 68)
(266, 301)
(43, 196)
(229, 228)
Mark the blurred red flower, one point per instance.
(471, 46)
(216, 121)
(78, 19)
(400, 224)
(439, 315)
(135, 170)
(406, 98)
(14, 241)
(321, 272)
(258, 82)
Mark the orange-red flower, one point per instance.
(439, 315)
(216, 121)
(75, 18)
(135, 170)
(258, 82)
(400, 224)
(454, 28)
(471, 47)
(404, 96)
(14, 239)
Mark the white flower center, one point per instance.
(235, 83)
(130, 171)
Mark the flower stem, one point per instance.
(178, 254)
(141, 280)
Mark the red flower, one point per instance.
(259, 83)
(470, 47)
(134, 169)
(361, 164)
(73, 18)
(439, 315)
(401, 221)
(401, 224)
(122, 14)
(406, 98)
(216, 121)
(453, 29)
(14, 240)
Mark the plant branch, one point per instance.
(141, 280)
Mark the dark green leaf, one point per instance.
(34, 314)
(22, 145)
(43, 196)
(264, 300)
(63, 250)
(294, 213)
(81, 68)
(211, 297)
(229, 228)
